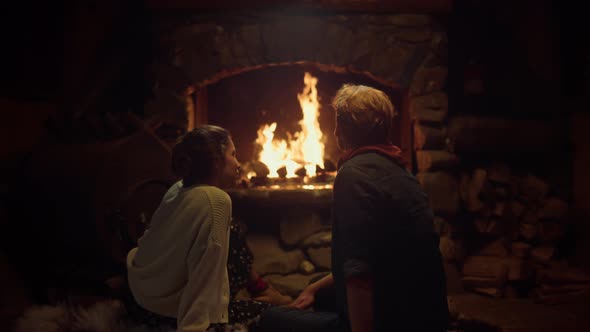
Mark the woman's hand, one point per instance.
(305, 299)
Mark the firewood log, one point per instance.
(554, 209)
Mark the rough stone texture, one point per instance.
(390, 62)
(410, 20)
(270, 258)
(321, 239)
(291, 284)
(428, 79)
(306, 267)
(337, 41)
(442, 190)
(432, 108)
(479, 135)
(429, 116)
(397, 50)
(428, 138)
(439, 46)
(321, 257)
(169, 107)
(414, 35)
(195, 61)
(250, 36)
(430, 160)
(382, 45)
(297, 225)
(170, 77)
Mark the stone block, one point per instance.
(297, 225)
(270, 257)
(321, 258)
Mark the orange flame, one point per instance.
(306, 149)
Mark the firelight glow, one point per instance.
(306, 149)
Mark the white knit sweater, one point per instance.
(179, 268)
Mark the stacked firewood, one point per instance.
(516, 223)
(503, 230)
(559, 283)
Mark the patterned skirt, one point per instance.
(242, 314)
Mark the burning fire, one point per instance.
(306, 149)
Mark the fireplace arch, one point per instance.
(406, 52)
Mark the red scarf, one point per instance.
(388, 150)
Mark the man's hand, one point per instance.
(307, 296)
(305, 299)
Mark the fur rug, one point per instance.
(104, 316)
(107, 316)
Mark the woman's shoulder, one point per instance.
(214, 194)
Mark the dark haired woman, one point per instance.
(178, 273)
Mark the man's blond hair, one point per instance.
(364, 114)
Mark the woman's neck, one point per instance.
(208, 182)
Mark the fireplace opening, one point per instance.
(282, 122)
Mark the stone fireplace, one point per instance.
(500, 210)
(405, 53)
(220, 69)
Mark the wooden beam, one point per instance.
(201, 107)
(382, 6)
(405, 127)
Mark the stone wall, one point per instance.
(289, 233)
(408, 52)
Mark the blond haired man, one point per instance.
(387, 271)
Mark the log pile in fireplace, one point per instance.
(257, 176)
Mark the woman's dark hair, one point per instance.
(197, 152)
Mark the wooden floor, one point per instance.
(511, 315)
(524, 315)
